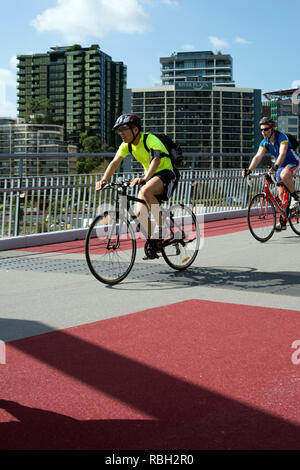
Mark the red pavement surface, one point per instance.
(211, 229)
(192, 375)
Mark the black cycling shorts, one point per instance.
(170, 180)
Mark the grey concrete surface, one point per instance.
(43, 292)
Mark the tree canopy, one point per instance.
(92, 144)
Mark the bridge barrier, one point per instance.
(38, 210)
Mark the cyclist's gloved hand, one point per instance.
(246, 172)
(273, 169)
(100, 184)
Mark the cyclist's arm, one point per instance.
(110, 170)
(257, 158)
(282, 154)
(152, 168)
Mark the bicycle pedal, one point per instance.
(146, 258)
(150, 256)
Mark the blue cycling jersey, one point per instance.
(291, 155)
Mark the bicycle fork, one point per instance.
(113, 241)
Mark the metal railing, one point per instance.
(56, 203)
(25, 165)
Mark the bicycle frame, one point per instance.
(123, 209)
(269, 195)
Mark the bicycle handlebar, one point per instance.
(263, 175)
(117, 184)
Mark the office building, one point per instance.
(82, 86)
(289, 124)
(202, 66)
(203, 118)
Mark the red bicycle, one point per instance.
(263, 209)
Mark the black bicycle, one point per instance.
(113, 236)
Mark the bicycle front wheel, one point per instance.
(180, 249)
(110, 248)
(294, 218)
(261, 217)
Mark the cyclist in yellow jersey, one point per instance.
(160, 177)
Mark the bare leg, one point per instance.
(287, 178)
(147, 193)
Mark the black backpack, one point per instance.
(294, 142)
(174, 149)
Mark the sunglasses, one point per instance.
(265, 129)
(123, 129)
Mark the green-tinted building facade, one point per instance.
(83, 86)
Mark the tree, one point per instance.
(39, 111)
(32, 108)
(46, 109)
(91, 144)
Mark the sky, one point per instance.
(261, 36)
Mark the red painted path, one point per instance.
(211, 229)
(192, 375)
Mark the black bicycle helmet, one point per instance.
(131, 120)
(267, 120)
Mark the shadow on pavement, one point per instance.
(182, 415)
(239, 278)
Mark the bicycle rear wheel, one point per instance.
(181, 248)
(110, 248)
(294, 218)
(261, 217)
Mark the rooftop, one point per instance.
(285, 93)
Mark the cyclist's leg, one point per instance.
(169, 179)
(281, 225)
(287, 175)
(280, 187)
(154, 187)
(142, 214)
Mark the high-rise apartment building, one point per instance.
(202, 118)
(202, 66)
(116, 78)
(83, 85)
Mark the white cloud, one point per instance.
(171, 3)
(78, 19)
(7, 108)
(188, 47)
(295, 84)
(217, 43)
(8, 85)
(7, 81)
(13, 61)
(7, 77)
(158, 3)
(240, 40)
